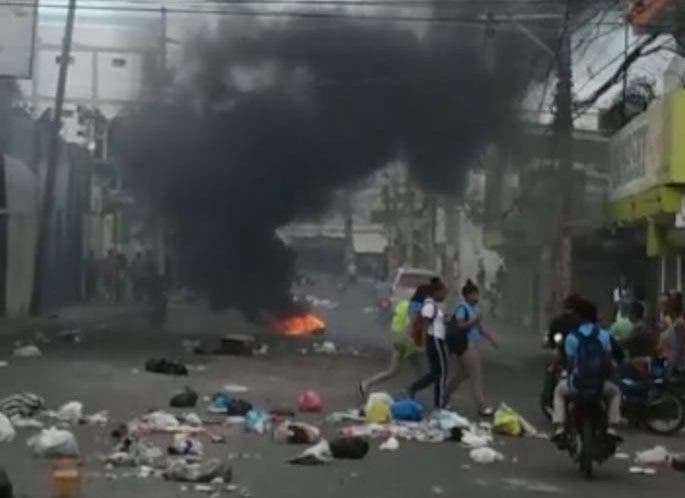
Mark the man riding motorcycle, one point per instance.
(588, 359)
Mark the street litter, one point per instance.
(30, 351)
(100, 418)
(206, 472)
(326, 347)
(320, 303)
(185, 399)
(262, 350)
(221, 403)
(349, 448)
(22, 404)
(20, 422)
(7, 432)
(340, 417)
(191, 419)
(437, 490)
(485, 455)
(351, 415)
(159, 421)
(296, 433)
(318, 454)
(377, 408)
(621, 456)
(235, 389)
(132, 452)
(3, 364)
(647, 471)
(407, 410)
(163, 366)
(473, 440)
(71, 412)
(54, 443)
(196, 368)
(655, 456)
(447, 420)
(390, 444)
(185, 446)
(310, 401)
(508, 421)
(257, 421)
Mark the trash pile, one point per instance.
(647, 462)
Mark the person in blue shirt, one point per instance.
(587, 313)
(468, 317)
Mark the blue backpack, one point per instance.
(592, 366)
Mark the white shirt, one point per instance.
(434, 313)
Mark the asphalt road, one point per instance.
(100, 372)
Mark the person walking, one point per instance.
(433, 324)
(468, 318)
(403, 349)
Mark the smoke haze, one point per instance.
(267, 121)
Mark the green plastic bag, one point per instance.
(377, 412)
(507, 421)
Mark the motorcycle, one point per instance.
(587, 441)
(651, 403)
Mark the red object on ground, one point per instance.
(310, 401)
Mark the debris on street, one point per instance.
(349, 448)
(390, 444)
(318, 454)
(296, 433)
(485, 455)
(71, 412)
(28, 351)
(7, 432)
(309, 401)
(185, 399)
(326, 347)
(235, 389)
(183, 471)
(658, 455)
(184, 445)
(54, 443)
(166, 367)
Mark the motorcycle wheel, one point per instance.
(587, 449)
(660, 425)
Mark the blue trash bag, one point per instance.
(407, 410)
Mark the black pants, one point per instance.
(436, 351)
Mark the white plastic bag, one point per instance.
(71, 412)
(53, 442)
(473, 440)
(655, 456)
(161, 421)
(390, 444)
(7, 432)
(447, 420)
(29, 351)
(486, 455)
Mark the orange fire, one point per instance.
(301, 326)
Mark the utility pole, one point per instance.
(563, 128)
(54, 150)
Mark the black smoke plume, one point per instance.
(267, 122)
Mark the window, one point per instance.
(58, 59)
(118, 62)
